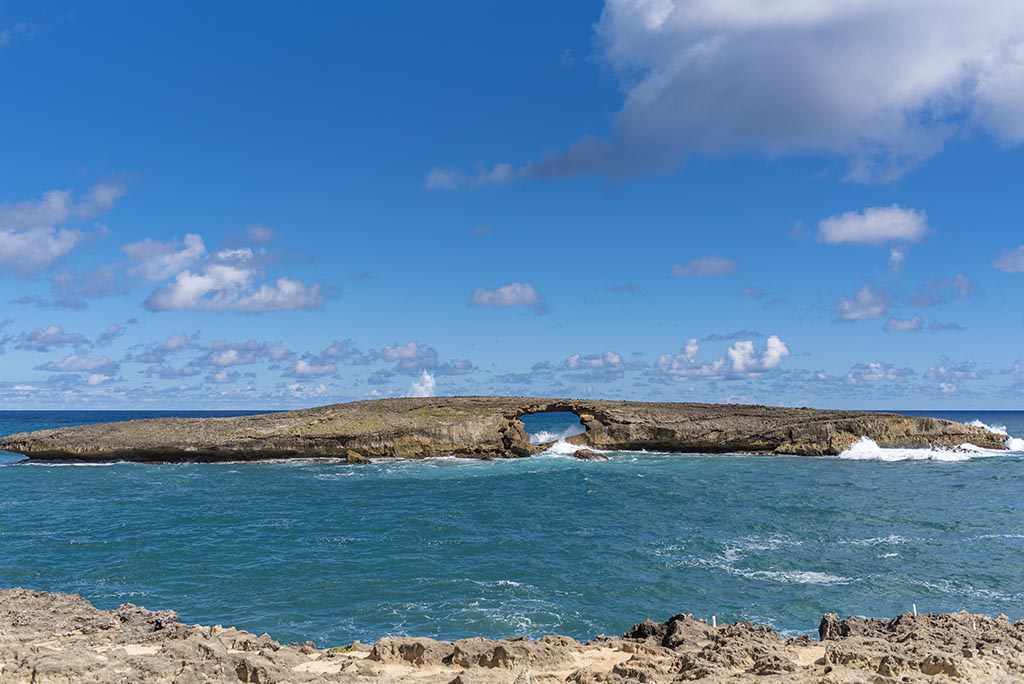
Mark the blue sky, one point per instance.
(248, 205)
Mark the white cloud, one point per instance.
(605, 360)
(442, 179)
(223, 354)
(911, 325)
(423, 387)
(304, 369)
(897, 257)
(1011, 261)
(401, 352)
(48, 338)
(741, 361)
(439, 178)
(874, 372)
(112, 332)
(875, 226)
(81, 363)
(953, 376)
(31, 232)
(155, 260)
(867, 303)
(604, 367)
(882, 84)
(306, 391)
(705, 266)
(938, 291)
(413, 358)
(29, 251)
(513, 294)
(224, 281)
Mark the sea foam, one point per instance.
(545, 436)
(1012, 443)
(866, 449)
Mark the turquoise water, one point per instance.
(451, 548)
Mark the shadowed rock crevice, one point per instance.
(490, 427)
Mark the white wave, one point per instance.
(563, 448)
(875, 541)
(560, 448)
(866, 449)
(995, 429)
(1011, 443)
(545, 436)
(793, 577)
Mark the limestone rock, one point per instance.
(353, 456)
(484, 427)
(58, 638)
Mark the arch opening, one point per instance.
(545, 427)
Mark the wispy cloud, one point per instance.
(867, 303)
(705, 266)
(34, 233)
(1011, 261)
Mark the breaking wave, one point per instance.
(1012, 443)
(866, 449)
(545, 436)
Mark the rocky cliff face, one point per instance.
(489, 427)
(59, 639)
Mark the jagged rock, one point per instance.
(589, 455)
(489, 427)
(353, 456)
(412, 651)
(832, 628)
(61, 639)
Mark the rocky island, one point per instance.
(490, 427)
(61, 638)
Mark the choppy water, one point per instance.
(451, 548)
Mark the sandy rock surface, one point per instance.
(60, 638)
(489, 427)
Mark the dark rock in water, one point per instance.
(590, 455)
(483, 427)
(353, 456)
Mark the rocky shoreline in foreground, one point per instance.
(490, 427)
(61, 638)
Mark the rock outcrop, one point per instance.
(489, 427)
(60, 638)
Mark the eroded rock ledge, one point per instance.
(61, 638)
(489, 427)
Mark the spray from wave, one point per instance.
(1012, 443)
(866, 449)
(545, 436)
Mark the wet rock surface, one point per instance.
(489, 427)
(50, 638)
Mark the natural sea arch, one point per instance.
(548, 426)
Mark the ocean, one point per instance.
(451, 548)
